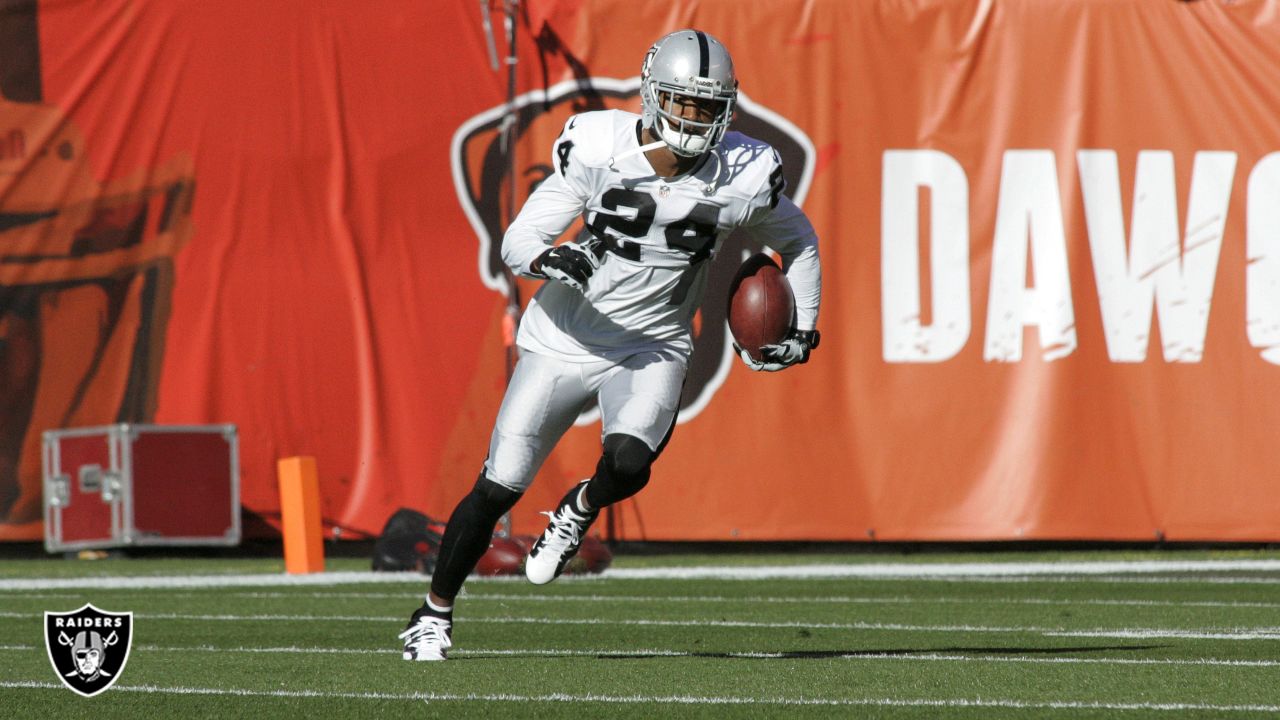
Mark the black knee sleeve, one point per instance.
(468, 534)
(623, 470)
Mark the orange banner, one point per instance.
(1050, 237)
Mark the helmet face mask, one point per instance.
(688, 91)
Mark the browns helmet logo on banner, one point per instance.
(81, 258)
(480, 171)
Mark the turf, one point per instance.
(1160, 645)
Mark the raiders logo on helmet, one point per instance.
(479, 176)
(88, 647)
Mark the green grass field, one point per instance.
(953, 636)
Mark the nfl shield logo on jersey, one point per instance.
(88, 647)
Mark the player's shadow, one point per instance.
(863, 653)
(893, 652)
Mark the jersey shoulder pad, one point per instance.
(587, 138)
(757, 166)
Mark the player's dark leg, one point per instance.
(468, 534)
(623, 471)
(638, 406)
(466, 538)
(542, 400)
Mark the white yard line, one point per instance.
(1237, 634)
(1263, 633)
(1110, 579)
(663, 599)
(916, 570)
(937, 657)
(757, 599)
(160, 582)
(718, 572)
(638, 699)
(647, 652)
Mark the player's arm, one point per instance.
(787, 230)
(781, 225)
(527, 247)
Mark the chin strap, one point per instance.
(708, 189)
(636, 151)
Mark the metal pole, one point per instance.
(509, 135)
(487, 24)
(511, 321)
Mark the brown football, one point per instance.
(594, 555)
(761, 306)
(504, 557)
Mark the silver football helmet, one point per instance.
(688, 64)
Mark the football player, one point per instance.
(657, 193)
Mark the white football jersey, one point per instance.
(655, 238)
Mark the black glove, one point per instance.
(793, 350)
(569, 263)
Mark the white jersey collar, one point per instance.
(640, 149)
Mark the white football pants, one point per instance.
(638, 396)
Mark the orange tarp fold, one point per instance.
(1050, 235)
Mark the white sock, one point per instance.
(438, 608)
(581, 501)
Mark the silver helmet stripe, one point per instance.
(687, 63)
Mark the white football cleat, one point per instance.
(560, 541)
(427, 639)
